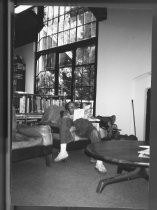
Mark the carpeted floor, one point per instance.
(73, 184)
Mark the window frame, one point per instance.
(70, 47)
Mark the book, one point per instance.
(22, 104)
(79, 113)
(145, 153)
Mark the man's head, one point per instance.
(70, 106)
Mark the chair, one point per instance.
(31, 141)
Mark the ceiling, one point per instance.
(27, 26)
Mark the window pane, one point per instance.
(55, 25)
(80, 18)
(86, 76)
(62, 10)
(67, 21)
(93, 29)
(50, 79)
(60, 39)
(45, 13)
(65, 77)
(67, 9)
(49, 42)
(78, 76)
(80, 33)
(92, 75)
(88, 17)
(93, 18)
(72, 19)
(56, 11)
(65, 59)
(43, 43)
(46, 62)
(39, 47)
(54, 40)
(78, 93)
(39, 65)
(92, 54)
(50, 61)
(87, 31)
(45, 82)
(87, 93)
(72, 35)
(84, 93)
(41, 80)
(66, 37)
(43, 32)
(79, 56)
(49, 28)
(50, 12)
(86, 55)
(61, 23)
(91, 96)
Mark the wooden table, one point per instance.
(121, 153)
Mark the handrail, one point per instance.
(26, 103)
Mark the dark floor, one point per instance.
(73, 183)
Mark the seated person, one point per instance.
(81, 127)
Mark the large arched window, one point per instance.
(66, 54)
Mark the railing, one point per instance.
(25, 103)
(30, 107)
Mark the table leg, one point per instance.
(137, 173)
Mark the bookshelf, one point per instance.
(30, 107)
(19, 74)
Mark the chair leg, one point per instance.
(48, 159)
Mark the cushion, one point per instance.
(31, 142)
(41, 131)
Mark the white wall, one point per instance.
(124, 53)
(27, 53)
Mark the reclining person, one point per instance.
(82, 128)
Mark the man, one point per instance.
(81, 127)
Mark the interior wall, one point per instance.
(27, 53)
(124, 53)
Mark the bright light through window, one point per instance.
(22, 8)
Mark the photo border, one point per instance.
(5, 60)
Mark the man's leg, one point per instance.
(65, 137)
(95, 138)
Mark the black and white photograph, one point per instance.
(81, 110)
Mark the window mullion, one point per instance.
(73, 74)
(57, 74)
